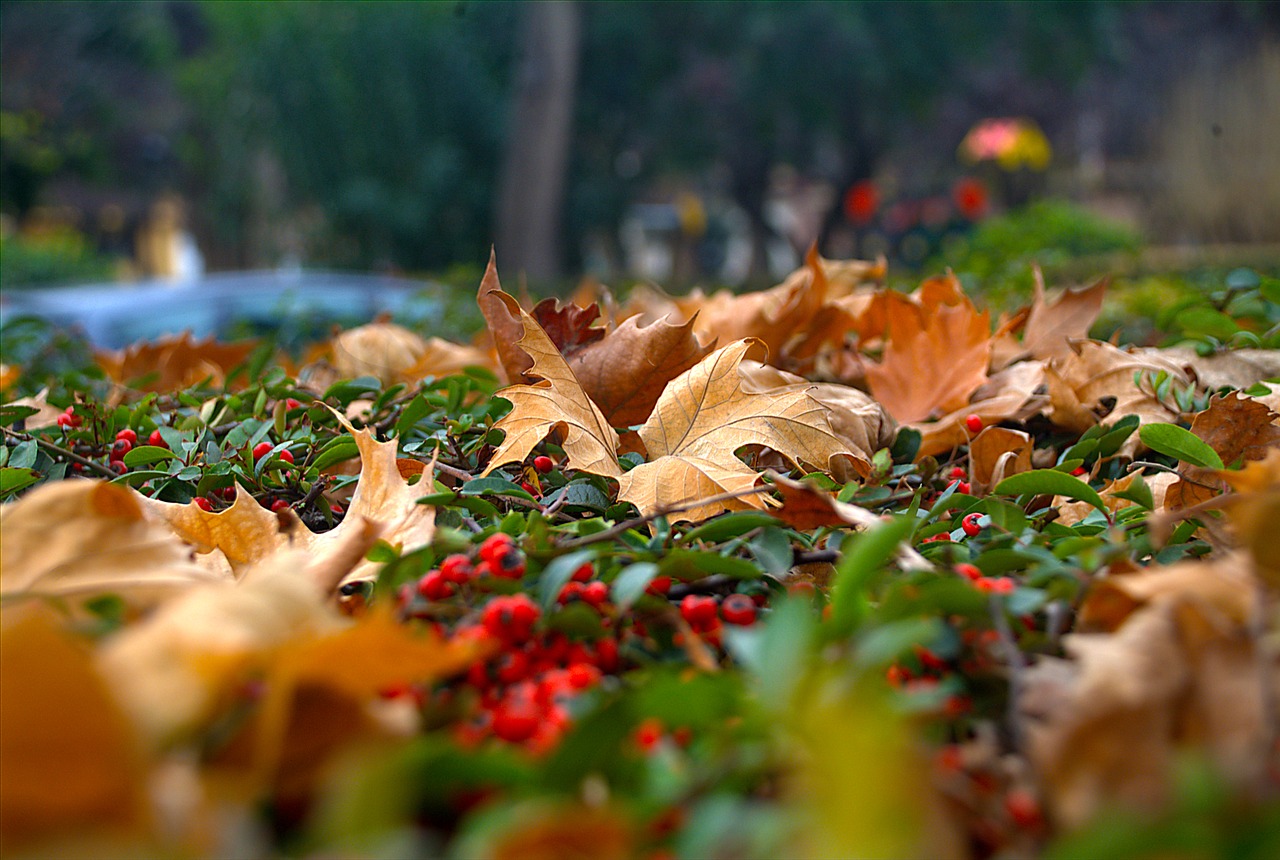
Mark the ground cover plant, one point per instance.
(829, 569)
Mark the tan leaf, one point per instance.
(173, 362)
(504, 324)
(1237, 428)
(998, 452)
(83, 538)
(933, 361)
(1236, 368)
(1052, 325)
(557, 401)
(1070, 513)
(624, 373)
(381, 349)
(704, 416)
(70, 762)
(245, 533)
(1256, 510)
(1097, 378)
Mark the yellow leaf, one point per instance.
(556, 402)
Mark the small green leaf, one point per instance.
(728, 526)
(335, 451)
(145, 455)
(1050, 482)
(632, 582)
(12, 413)
(1174, 441)
(493, 486)
(12, 480)
(861, 559)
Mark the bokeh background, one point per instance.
(677, 142)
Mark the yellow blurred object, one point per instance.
(1009, 142)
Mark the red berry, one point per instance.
(66, 420)
(958, 472)
(963, 487)
(279, 505)
(1079, 470)
(970, 524)
(648, 734)
(286, 456)
(434, 586)
(291, 404)
(738, 609)
(697, 610)
(509, 565)
(571, 591)
(1022, 808)
(996, 584)
(583, 676)
(529, 488)
(512, 666)
(543, 463)
(897, 675)
(157, 440)
(203, 504)
(584, 572)
(494, 546)
(261, 450)
(120, 448)
(336, 509)
(516, 718)
(457, 568)
(973, 423)
(510, 618)
(607, 654)
(969, 571)
(595, 593)
(127, 435)
(659, 585)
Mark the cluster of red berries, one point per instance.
(992, 584)
(921, 674)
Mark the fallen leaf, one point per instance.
(503, 323)
(394, 354)
(1010, 394)
(555, 402)
(1237, 428)
(173, 362)
(570, 327)
(996, 453)
(933, 361)
(1235, 368)
(548, 831)
(70, 762)
(246, 533)
(624, 373)
(79, 539)
(1070, 513)
(1051, 326)
(1097, 380)
(703, 417)
(1255, 510)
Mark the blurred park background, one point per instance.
(677, 142)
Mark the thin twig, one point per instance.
(61, 452)
(626, 525)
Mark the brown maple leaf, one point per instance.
(625, 372)
(1096, 379)
(557, 401)
(996, 453)
(503, 323)
(935, 358)
(1010, 394)
(174, 362)
(703, 417)
(1051, 326)
(570, 327)
(394, 354)
(1237, 428)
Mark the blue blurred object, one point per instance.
(294, 304)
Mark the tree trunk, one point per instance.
(531, 192)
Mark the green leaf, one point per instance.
(335, 451)
(1207, 321)
(493, 486)
(728, 526)
(145, 455)
(862, 558)
(1050, 482)
(772, 549)
(12, 480)
(905, 445)
(1174, 441)
(1138, 492)
(632, 582)
(12, 413)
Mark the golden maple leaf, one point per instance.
(703, 417)
(557, 401)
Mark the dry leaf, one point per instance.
(83, 538)
(1010, 394)
(933, 361)
(1236, 368)
(1237, 428)
(1051, 326)
(996, 453)
(541, 831)
(1097, 380)
(380, 349)
(624, 373)
(245, 533)
(1256, 510)
(557, 401)
(703, 417)
(504, 324)
(173, 362)
(1070, 513)
(570, 327)
(69, 760)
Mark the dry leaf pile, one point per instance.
(797, 541)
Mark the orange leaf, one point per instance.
(933, 362)
(1052, 325)
(173, 362)
(504, 324)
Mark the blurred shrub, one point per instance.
(997, 257)
(60, 254)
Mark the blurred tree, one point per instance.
(385, 118)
